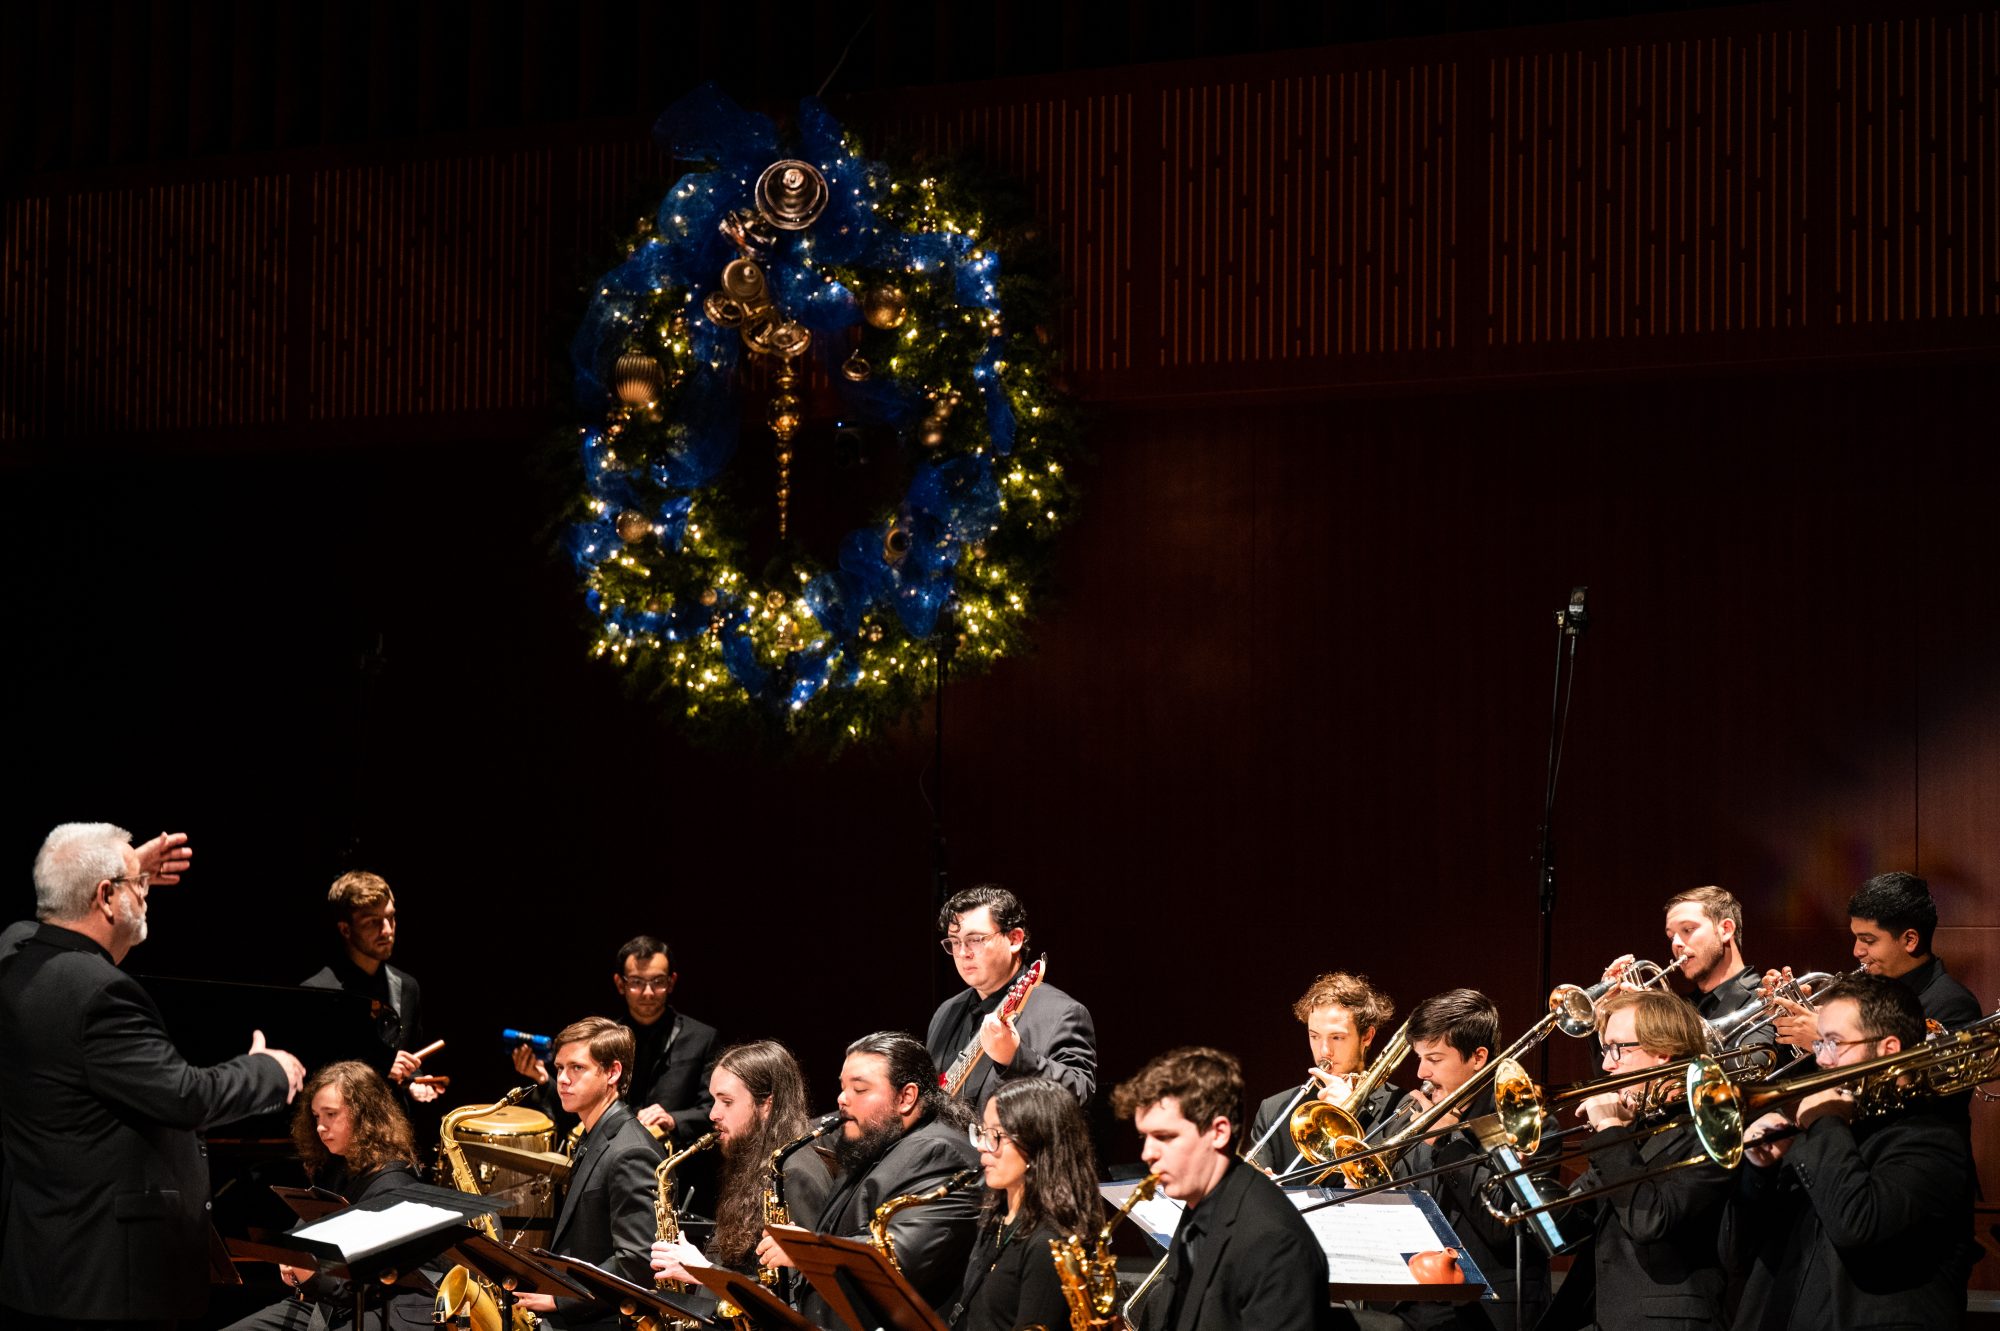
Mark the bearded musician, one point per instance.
(1341, 1014)
(1652, 1263)
(759, 1108)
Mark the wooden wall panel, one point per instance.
(1649, 189)
(429, 286)
(173, 306)
(1915, 169)
(1075, 154)
(25, 283)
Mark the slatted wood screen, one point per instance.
(1688, 191)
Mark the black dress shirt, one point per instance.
(1010, 1281)
(1944, 999)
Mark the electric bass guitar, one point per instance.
(953, 1078)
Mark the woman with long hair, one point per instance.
(355, 1141)
(1041, 1180)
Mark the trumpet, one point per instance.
(1731, 1029)
(1579, 1005)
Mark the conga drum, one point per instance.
(528, 1198)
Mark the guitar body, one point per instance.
(952, 1079)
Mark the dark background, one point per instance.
(1288, 704)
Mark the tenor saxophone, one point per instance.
(463, 1292)
(878, 1226)
(1090, 1279)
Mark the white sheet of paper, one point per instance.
(1158, 1216)
(358, 1233)
(1367, 1240)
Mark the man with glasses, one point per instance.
(986, 933)
(1842, 1223)
(364, 915)
(668, 1089)
(105, 1208)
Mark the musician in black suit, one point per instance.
(1454, 1035)
(607, 1213)
(364, 915)
(1892, 918)
(1243, 1258)
(1705, 933)
(986, 931)
(355, 1142)
(1342, 1014)
(671, 1051)
(901, 1135)
(1853, 1224)
(1652, 1263)
(105, 1208)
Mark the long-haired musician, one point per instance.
(1342, 1014)
(1041, 1180)
(354, 1140)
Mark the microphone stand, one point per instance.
(1571, 621)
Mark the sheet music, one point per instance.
(1159, 1216)
(1368, 1241)
(357, 1233)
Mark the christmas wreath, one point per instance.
(859, 319)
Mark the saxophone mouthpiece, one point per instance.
(518, 1094)
(826, 1123)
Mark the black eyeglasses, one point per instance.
(1614, 1050)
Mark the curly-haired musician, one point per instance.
(1041, 1181)
(1342, 1014)
(1854, 1224)
(1242, 1257)
(355, 1141)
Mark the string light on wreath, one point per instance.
(773, 261)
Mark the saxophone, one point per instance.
(1090, 1280)
(878, 1227)
(776, 1212)
(463, 1293)
(665, 1222)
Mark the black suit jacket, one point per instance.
(1257, 1267)
(607, 1214)
(931, 1240)
(1944, 999)
(1856, 1226)
(105, 1196)
(1279, 1152)
(402, 1027)
(1058, 1041)
(1653, 1263)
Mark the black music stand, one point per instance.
(404, 1244)
(628, 1297)
(857, 1282)
(510, 1271)
(761, 1308)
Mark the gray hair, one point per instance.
(71, 863)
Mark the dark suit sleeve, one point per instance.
(1862, 1203)
(1651, 1209)
(808, 1181)
(129, 1061)
(682, 1081)
(931, 1240)
(1952, 1005)
(1058, 1044)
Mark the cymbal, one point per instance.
(514, 1157)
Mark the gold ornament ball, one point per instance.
(933, 434)
(639, 379)
(708, 596)
(873, 633)
(654, 605)
(885, 307)
(632, 526)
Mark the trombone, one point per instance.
(1318, 1128)
(1717, 1107)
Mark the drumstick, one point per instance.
(439, 1082)
(428, 1050)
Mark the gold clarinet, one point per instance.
(878, 1226)
(1090, 1279)
(776, 1211)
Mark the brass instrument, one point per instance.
(1579, 1005)
(667, 1224)
(878, 1225)
(1717, 1107)
(1090, 1279)
(464, 1293)
(1731, 1029)
(776, 1211)
(1325, 1131)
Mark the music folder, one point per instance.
(857, 1282)
(512, 1269)
(761, 1308)
(398, 1232)
(629, 1297)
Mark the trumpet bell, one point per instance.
(1715, 1107)
(1578, 1012)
